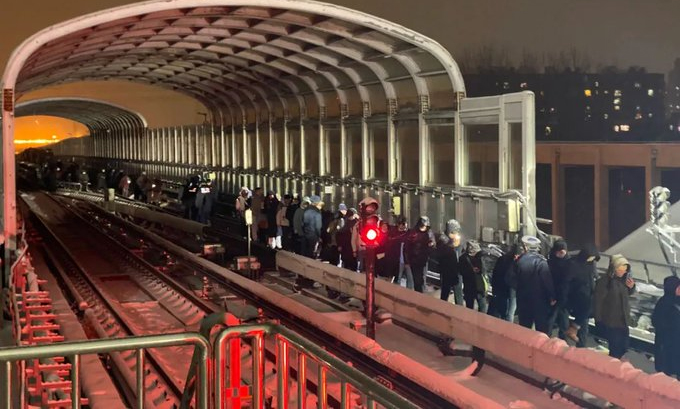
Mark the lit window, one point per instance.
(548, 131)
(617, 93)
(650, 92)
(606, 116)
(606, 92)
(523, 85)
(552, 110)
(670, 127)
(587, 108)
(638, 116)
(588, 93)
(636, 85)
(616, 128)
(650, 115)
(506, 85)
(617, 108)
(597, 84)
(677, 88)
(617, 101)
(637, 107)
(625, 128)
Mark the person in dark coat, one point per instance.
(559, 269)
(503, 298)
(419, 245)
(271, 207)
(612, 305)
(578, 287)
(448, 258)
(344, 240)
(311, 235)
(474, 283)
(666, 321)
(532, 280)
(395, 253)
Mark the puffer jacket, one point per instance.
(611, 303)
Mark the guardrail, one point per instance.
(74, 350)
(327, 365)
(608, 378)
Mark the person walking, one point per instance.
(533, 283)
(503, 297)
(666, 321)
(579, 286)
(447, 256)
(475, 284)
(612, 305)
(297, 224)
(559, 269)
(419, 245)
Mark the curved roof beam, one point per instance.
(364, 40)
(94, 114)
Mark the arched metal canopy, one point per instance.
(95, 115)
(247, 59)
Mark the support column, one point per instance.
(303, 149)
(601, 196)
(557, 189)
(365, 150)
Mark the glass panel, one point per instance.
(252, 149)
(279, 149)
(482, 150)
(378, 151)
(333, 152)
(264, 148)
(312, 149)
(353, 151)
(238, 143)
(515, 157)
(407, 152)
(294, 149)
(442, 154)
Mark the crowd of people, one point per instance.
(556, 295)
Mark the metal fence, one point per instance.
(336, 383)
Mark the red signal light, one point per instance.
(372, 234)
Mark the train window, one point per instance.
(407, 151)
(442, 154)
(515, 157)
(354, 150)
(481, 143)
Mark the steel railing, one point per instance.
(228, 357)
(74, 350)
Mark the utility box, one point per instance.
(509, 215)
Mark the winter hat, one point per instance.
(670, 284)
(558, 245)
(617, 261)
(588, 254)
(307, 200)
(531, 243)
(424, 221)
(342, 207)
(452, 226)
(315, 200)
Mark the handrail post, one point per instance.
(75, 381)
(140, 379)
(258, 371)
(282, 372)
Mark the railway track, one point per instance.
(190, 274)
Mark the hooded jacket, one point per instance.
(418, 249)
(447, 259)
(666, 321)
(532, 279)
(579, 283)
(612, 306)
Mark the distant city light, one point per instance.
(650, 92)
(617, 101)
(625, 128)
(617, 92)
(587, 92)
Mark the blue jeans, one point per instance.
(405, 273)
